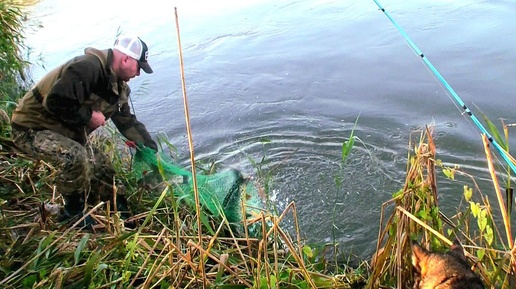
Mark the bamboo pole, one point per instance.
(505, 215)
(506, 221)
(191, 147)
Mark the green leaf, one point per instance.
(323, 281)
(482, 220)
(468, 193)
(489, 235)
(90, 265)
(392, 230)
(494, 132)
(80, 247)
(308, 251)
(480, 254)
(398, 194)
(347, 146)
(265, 140)
(30, 280)
(263, 283)
(423, 214)
(231, 286)
(206, 222)
(475, 208)
(43, 273)
(273, 281)
(285, 275)
(449, 173)
(43, 243)
(100, 267)
(302, 285)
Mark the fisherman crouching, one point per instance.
(54, 119)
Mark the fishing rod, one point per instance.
(501, 151)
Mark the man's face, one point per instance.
(130, 68)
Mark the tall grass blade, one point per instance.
(82, 244)
(348, 145)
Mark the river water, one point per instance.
(278, 86)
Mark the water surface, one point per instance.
(285, 81)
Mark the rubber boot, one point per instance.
(74, 210)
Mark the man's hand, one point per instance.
(152, 144)
(97, 119)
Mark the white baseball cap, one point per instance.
(134, 47)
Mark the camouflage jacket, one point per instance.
(64, 99)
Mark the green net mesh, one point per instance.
(223, 194)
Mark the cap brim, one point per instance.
(145, 66)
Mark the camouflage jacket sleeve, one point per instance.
(131, 128)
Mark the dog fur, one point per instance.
(448, 270)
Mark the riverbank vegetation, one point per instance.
(169, 245)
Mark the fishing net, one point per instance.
(223, 194)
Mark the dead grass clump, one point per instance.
(163, 250)
(415, 215)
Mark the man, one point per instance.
(53, 120)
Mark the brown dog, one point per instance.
(448, 270)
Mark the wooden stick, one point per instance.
(499, 196)
(190, 145)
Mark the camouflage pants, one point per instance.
(83, 171)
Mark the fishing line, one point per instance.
(508, 159)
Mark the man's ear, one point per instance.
(125, 59)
